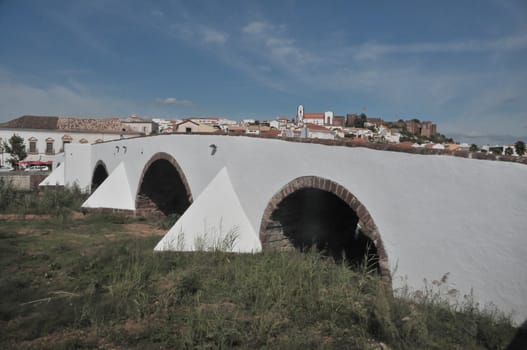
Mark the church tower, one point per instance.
(300, 114)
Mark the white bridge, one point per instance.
(420, 216)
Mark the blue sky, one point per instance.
(461, 64)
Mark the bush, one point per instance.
(56, 201)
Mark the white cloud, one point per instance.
(463, 99)
(255, 27)
(280, 50)
(373, 50)
(174, 101)
(19, 98)
(203, 34)
(213, 36)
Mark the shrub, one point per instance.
(56, 201)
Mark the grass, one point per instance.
(55, 201)
(96, 283)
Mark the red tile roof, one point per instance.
(64, 123)
(272, 132)
(313, 115)
(406, 144)
(314, 127)
(32, 122)
(187, 121)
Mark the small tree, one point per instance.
(509, 151)
(473, 148)
(520, 148)
(496, 150)
(360, 120)
(16, 148)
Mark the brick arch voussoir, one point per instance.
(171, 160)
(366, 220)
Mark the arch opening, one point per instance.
(311, 218)
(99, 175)
(312, 213)
(163, 189)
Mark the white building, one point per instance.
(300, 114)
(45, 136)
(164, 126)
(212, 120)
(190, 126)
(134, 123)
(319, 118)
(274, 124)
(248, 121)
(328, 118)
(319, 132)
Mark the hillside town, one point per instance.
(45, 136)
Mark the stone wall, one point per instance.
(146, 208)
(23, 181)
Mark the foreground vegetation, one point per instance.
(74, 281)
(56, 201)
(95, 282)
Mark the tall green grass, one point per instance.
(68, 277)
(56, 200)
(77, 288)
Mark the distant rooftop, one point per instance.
(32, 122)
(66, 123)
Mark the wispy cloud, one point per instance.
(463, 97)
(174, 101)
(256, 27)
(199, 33)
(18, 98)
(373, 50)
(279, 48)
(213, 36)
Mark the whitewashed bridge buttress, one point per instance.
(425, 216)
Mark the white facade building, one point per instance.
(46, 136)
(300, 114)
(328, 118)
(135, 124)
(164, 126)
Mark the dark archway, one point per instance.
(312, 212)
(163, 189)
(99, 175)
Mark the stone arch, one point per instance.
(163, 188)
(100, 173)
(333, 192)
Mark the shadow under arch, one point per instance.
(163, 188)
(100, 173)
(313, 211)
